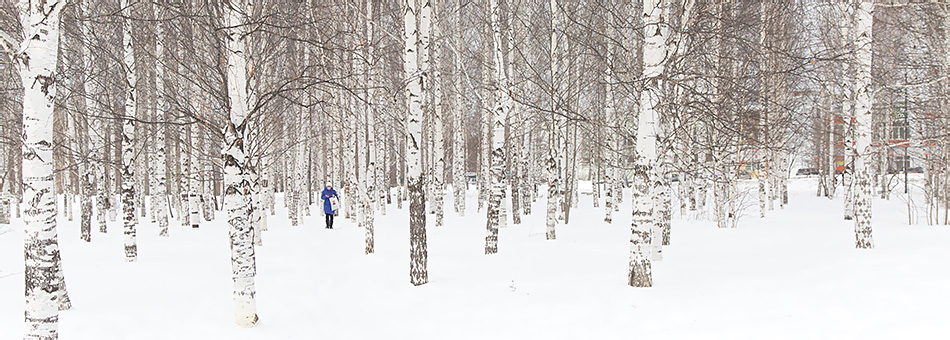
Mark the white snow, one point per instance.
(793, 275)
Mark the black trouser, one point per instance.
(329, 220)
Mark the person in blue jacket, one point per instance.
(327, 208)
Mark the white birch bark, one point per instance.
(290, 159)
(484, 112)
(864, 20)
(528, 160)
(45, 290)
(236, 181)
(783, 179)
(261, 192)
(721, 184)
(184, 183)
(257, 213)
(159, 196)
(514, 112)
(832, 180)
(646, 237)
(527, 164)
(90, 169)
(369, 178)
(438, 149)
(303, 152)
(269, 201)
(610, 112)
(501, 105)
(383, 166)
(418, 274)
(113, 174)
(349, 157)
(98, 143)
(430, 102)
(847, 110)
(129, 219)
(553, 161)
(207, 186)
(458, 153)
(664, 194)
(194, 178)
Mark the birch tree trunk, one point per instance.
(722, 182)
(645, 231)
(268, 193)
(302, 156)
(160, 195)
(527, 164)
(847, 116)
(5, 192)
(458, 153)
(207, 181)
(254, 143)
(832, 180)
(129, 219)
(418, 274)
(290, 159)
(45, 288)
(484, 112)
(663, 212)
(194, 178)
(349, 168)
(864, 20)
(432, 74)
(764, 97)
(610, 112)
(552, 164)
(236, 181)
(501, 105)
(184, 173)
(369, 185)
(516, 129)
(90, 168)
(438, 150)
(113, 132)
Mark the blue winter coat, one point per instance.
(325, 196)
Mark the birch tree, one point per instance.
(501, 105)
(36, 62)
(159, 198)
(418, 274)
(237, 185)
(610, 112)
(459, 185)
(645, 229)
(369, 186)
(863, 21)
(128, 137)
(552, 164)
(438, 132)
(90, 169)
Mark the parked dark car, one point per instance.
(744, 174)
(807, 172)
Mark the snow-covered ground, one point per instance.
(793, 275)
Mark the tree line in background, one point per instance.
(213, 107)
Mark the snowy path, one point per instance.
(793, 275)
